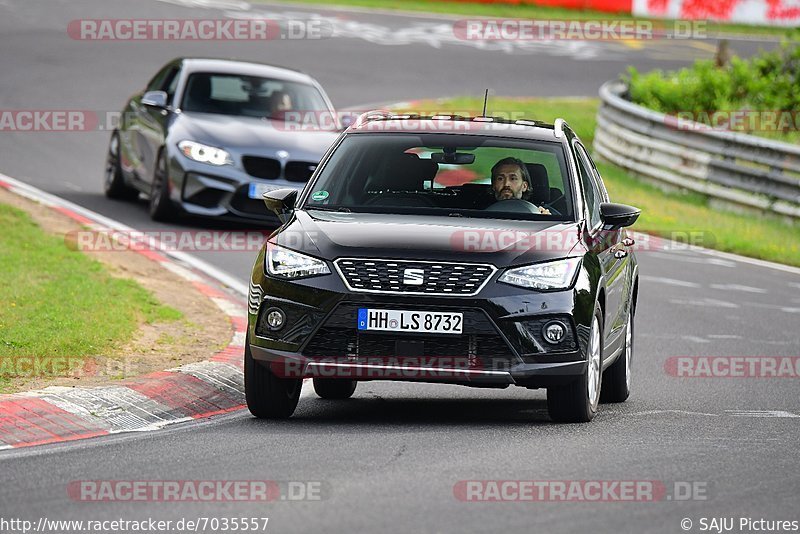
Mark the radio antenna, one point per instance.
(485, 100)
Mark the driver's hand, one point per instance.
(544, 211)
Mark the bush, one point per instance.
(770, 81)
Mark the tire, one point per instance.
(268, 397)
(160, 206)
(334, 388)
(577, 401)
(114, 184)
(617, 378)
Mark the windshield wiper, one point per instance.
(340, 209)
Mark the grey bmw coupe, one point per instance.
(208, 137)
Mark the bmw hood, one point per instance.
(251, 135)
(502, 243)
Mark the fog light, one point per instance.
(554, 332)
(275, 318)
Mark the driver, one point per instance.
(510, 180)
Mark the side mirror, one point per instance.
(156, 99)
(618, 215)
(281, 201)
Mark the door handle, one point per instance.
(628, 242)
(620, 254)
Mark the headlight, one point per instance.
(552, 275)
(204, 153)
(286, 263)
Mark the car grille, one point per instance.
(432, 278)
(262, 167)
(299, 171)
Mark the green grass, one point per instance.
(525, 11)
(56, 302)
(663, 213)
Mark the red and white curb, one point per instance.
(191, 391)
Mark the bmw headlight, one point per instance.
(551, 275)
(286, 263)
(204, 153)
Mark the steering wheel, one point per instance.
(550, 207)
(515, 205)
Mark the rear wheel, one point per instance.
(577, 401)
(268, 397)
(334, 388)
(114, 184)
(617, 378)
(160, 205)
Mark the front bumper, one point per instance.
(502, 341)
(222, 192)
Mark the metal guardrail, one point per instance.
(735, 168)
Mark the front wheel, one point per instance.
(334, 388)
(577, 401)
(268, 397)
(160, 206)
(617, 378)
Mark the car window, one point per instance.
(249, 96)
(591, 192)
(444, 174)
(599, 185)
(157, 82)
(171, 83)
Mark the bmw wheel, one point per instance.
(114, 184)
(160, 205)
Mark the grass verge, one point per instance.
(59, 303)
(663, 213)
(527, 11)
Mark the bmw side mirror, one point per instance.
(281, 201)
(155, 99)
(618, 215)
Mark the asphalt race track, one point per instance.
(389, 459)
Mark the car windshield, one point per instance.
(445, 175)
(249, 96)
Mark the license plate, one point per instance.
(257, 190)
(410, 321)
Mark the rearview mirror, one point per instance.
(156, 99)
(618, 215)
(281, 202)
(453, 158)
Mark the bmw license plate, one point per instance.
(410, 321)
(257, 190)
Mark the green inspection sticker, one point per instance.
(319, 195)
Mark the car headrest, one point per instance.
(540, 186)
(406, 172)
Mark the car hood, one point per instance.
(249, 134)
(502, 243)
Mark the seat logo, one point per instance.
(413, 277)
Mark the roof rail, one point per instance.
(372, 115)
(558, 127)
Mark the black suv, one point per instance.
(474, 251)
